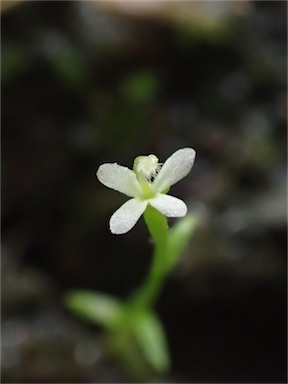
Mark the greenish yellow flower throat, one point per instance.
(146, 169)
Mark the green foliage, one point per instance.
(179, 237)
(95, 307)
(151, 338)
(128, 324)
(134, 328)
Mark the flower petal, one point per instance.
(174, 169)
(170, 206)
(127, 216)
(120, 178)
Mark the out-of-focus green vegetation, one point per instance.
(85, 83)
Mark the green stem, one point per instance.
(147, 293)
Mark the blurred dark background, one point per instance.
(85, 83)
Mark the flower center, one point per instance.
(146, 169)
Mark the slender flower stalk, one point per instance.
(147, 293)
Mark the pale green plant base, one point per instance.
(133, 329)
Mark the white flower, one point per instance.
(146, 184)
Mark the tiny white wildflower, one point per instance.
(146, 184)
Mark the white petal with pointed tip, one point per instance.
(177, 166)
(127, 216)
(170, 206)
(120, 178)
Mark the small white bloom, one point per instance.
(146, 184)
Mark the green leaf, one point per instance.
(151, 339)
(95, 307)
(179, 237)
